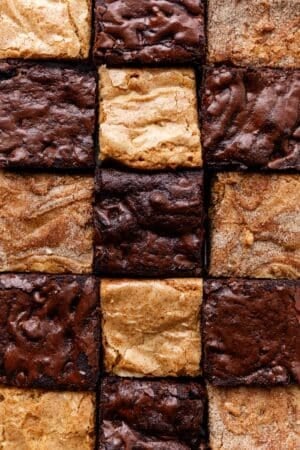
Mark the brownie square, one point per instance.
(46, 223)
(47, 115)
(45, 29)
(149, 118)
(34, 419)
(255, 220)
(256, 32)
(251, 332)
(49, 328)
(251, 118)
(159, 344)
(149, 31)
(154, 415)
(254, 418)
(149, 224)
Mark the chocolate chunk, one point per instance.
(149, 224)
(49, 330)
(47, 115)
(251, 332)
(149, 31)
(251, 118)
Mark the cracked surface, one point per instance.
(46, 223)
(158, 415)
(37, 420)
(45, 28)
(251, 332)
(47, 115)
(151, 327)
(254, 418)
(251, 118)
(255, 223)
(259, 32)
(149, 224)
(49, 331)
(148, 118)
(149, 31)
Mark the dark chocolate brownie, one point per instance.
(251, 332)
(151, 415)
(49, 331)
(251, 118)
(47, 115)
(149, 224)
(149, 31)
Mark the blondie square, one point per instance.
(46, 223)
(39, 29)
(148, 118)
(151, 327)
(255, 223)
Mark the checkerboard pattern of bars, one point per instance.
(149, 224)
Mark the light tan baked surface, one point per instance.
(37, 420)
(45, 223)
(45, 28)
(256, 32)
(151, 327)
(248, 418)
(255, 226)
(149, 118)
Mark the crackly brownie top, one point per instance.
(252, 118)
(251, 331)
(163, 409)
(47, 115)
(49, 329)
(149, 31)
(149, 224)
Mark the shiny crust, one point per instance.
(251, 118)
(149, 31)
(148, 118)
(150, 413)
(46, 223)
(256, 32)
(149, 224)
(47, 115)
(254, 418)
(255, 226)
(49, 330)
(37, 420)
(251, 332)
(45, 29)
(141, 331)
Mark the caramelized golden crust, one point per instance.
(256, 32)
(37, 420)
(254, 418)
(255, 226)
(149, 118)
(45, 223)
(151, 327)
(45, 28)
